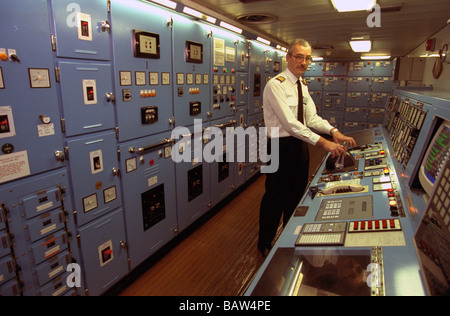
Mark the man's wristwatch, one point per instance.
(334, 130)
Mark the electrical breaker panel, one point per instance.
(148, 182)
(143, 69)
(192, 77)
(89, 182)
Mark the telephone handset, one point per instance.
(342, 188)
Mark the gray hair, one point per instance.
(299, 41)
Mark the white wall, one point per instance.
(443, 83)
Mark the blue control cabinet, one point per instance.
(30, 137)
(143, 85)
(148, 184)
(82, 29)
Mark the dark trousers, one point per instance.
(284, 189)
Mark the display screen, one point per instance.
(317, 272)
(438, 153)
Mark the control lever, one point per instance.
(314, 190)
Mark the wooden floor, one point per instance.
(217, 256)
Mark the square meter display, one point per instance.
(146, 45)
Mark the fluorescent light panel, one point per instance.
(230, 27)
(353, 5)
(166, 3)
(199, 15)
(375, 57)
(361, 46)
(263, 40)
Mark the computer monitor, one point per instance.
(437, 152)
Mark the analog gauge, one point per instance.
(141, 78)
(2, 84)
(180, 78)
(131, 164)
(190, 79)
(39, 78)
(125, 78)
(165, 78)
(154, 78)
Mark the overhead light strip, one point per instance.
(353, 5)
(166, 3)
(361, 46)
(263, 40)
(376, 57)
(230, 27)
(199, 15)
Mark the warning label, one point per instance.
(14, 166)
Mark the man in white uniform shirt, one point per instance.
(285, 187)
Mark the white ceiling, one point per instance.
(319, 23)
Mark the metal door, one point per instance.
(94, 170)
(143, 81)
(87, 98)
(82, 29)
(148, 182)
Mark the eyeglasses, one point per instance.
(300, 58)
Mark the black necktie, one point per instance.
(300, 101)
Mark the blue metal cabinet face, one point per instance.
(82, 29)
(193, 180)
(256, 78)
(336, 68)
(315, 69)
(87, 105)
(7, 269)
(383, 68)
(103, 249)
(143, 85)
(4, 244)
(94, 172)
(314, 83)
(253, 167)
(28, 94)
(360, 69)
(221, 171)
(242, 55)
(148, 183)
(382, 84)
(335, 84)
(223, 72)
(242, 89)
(358, 114)
(336, 118)
(37, 205)
(358, 99)
(359, 84)
(379, 99)
(376, 115)
(11, 288)
(317, 97)
(334, 100)
(238, 167)
(192, 62)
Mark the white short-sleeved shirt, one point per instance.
(280, 110)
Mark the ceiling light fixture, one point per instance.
(353, 5)
(263, 40)
(199, 15)
(166, 3)
(230, 27)
(376, 57)
(361, 46)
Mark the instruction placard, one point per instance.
(14, 166)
